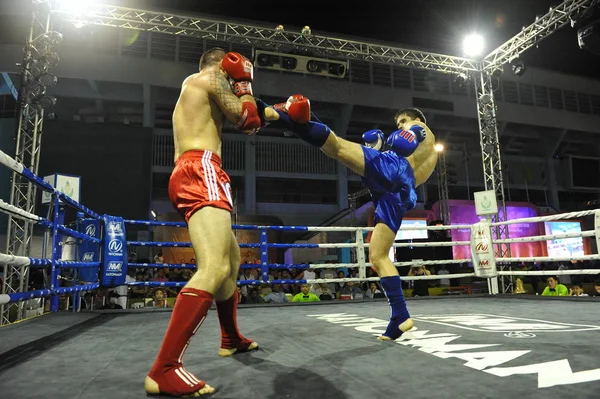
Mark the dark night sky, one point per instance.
(431, 25)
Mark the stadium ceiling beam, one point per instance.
(544, 26)
(265, 38)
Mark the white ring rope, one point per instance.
(402, 244)
(11, 163)
(18, 213)
(404, 278)
(560, 216)
(339, 228)
(548, 258)
(587, 233)
(411, 263)
(545, 272)
(12, 260)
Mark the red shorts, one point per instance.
(198, 181)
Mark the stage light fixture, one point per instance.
(439, 147)
(45, 102)
(50, 60)
(306, 30)
(262, 60)
(288, 63)
(337, 69)
(473, 45)
(51, 38)
(518, 67)
(47, 79)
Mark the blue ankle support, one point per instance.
(392, 287)
(313, 133)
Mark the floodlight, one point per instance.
(439, 147)
(473, 45)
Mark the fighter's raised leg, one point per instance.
(318, 134)
(379, 248)
(210, 234)
(232, 341)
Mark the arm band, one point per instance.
(249, 118)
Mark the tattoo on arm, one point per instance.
(228, 102)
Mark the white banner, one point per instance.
(482, 250)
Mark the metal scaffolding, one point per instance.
(442, 181)
(38, 57)
(31, 116)
(544, 26)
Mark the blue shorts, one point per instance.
(391, 181)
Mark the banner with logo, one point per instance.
(88, 251)
(114, 254)
(482, 250)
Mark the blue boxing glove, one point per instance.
(402, 142)
(419, 131)
(373, 139)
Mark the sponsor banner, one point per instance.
(482, 250)
(88, 251)
(114, 255)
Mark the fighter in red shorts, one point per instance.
(200, 191)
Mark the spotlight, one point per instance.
(289, 63)
(439, 147)
(262, 60)
(306, 30)
(337, 69)
(461, 78)
(50, 60)
(473, 45)
(36, 89)
(154, 215)
(45, 102)
(315, 66)
(279, 28)
(518, 67)
(52, 38)
(47, 79)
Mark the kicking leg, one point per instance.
(227, 300)
(347, 152)
(210, 232)
(379, 248)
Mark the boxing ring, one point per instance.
(512, 344)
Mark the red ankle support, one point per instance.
(187, 317)
(230, 334)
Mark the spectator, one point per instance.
(305, 295)
(160, 276)
(577, 290)
(420, 287)
(351, 291)
(276, 295)
(158, 258)
(113, 299)
(444, 282)
(597, 287)
(254, 296)
(374, 291)
(554, 288)
(159, 300)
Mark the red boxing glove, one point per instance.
(297, 107)
(241, 71)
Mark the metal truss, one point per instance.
(442, 177)
(266, 38)
(492, 164)
(23, 192)
(543, 27)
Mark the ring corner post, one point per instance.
(59, 217)
(597, 229)
(360, 253)
(264, 255)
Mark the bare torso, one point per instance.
(197, 120)
(424, 159)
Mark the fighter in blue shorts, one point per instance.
(391, 168)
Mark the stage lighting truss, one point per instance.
(544, 26)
